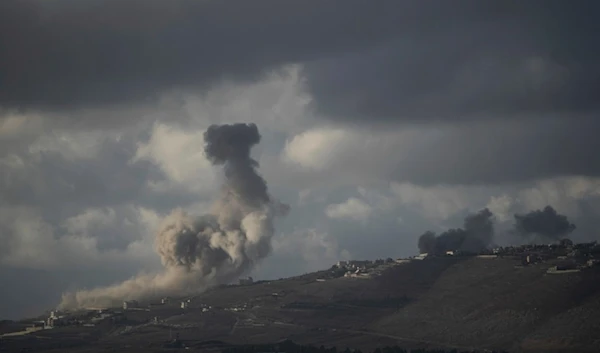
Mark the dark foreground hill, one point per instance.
(462, 303)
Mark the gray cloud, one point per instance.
(503, 153)
(533, 63)
(94, 52)
(530, 59)
(524, 70)
(48, 178)
(387, 60)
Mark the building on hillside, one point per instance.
(421, 256)
(185, 304)
(246, 281)
(54, 320)
(36, 325)
(354, 264)
(566, 265)
(118, 317)
(530, 258)
(130, 304)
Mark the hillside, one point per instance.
(441, 302)
(493, 304)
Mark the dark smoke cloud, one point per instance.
(480, 230)
(427, 242)
(476, 235)
(211, 249)
(546, 223)
(230, 145)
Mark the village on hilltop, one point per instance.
(565, 256)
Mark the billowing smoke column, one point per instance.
(477, 234)
(546, 224)
(211, 249)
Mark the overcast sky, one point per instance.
(380, 120)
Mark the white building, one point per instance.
(129, 304)
(353, 264)
(246, 281)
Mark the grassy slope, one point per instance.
(490, 303)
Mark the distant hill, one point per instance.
(452, 302)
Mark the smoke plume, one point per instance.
(212, 249)
(477, 234)
(546, 224)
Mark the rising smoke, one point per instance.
(212, 249)
(477, 234)
(546, 224)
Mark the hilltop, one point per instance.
(527, 300)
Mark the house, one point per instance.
(531, 258)
(129, 304)
(185, 305)
(354, 264)
(246, 281)
(421, 256)
(565, 265)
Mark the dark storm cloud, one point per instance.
(386, 59)
(531, 58)
(63, 53)
(47, 178)
(503, 153)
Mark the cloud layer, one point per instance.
(424, 113)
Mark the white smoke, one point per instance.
(198, 252)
